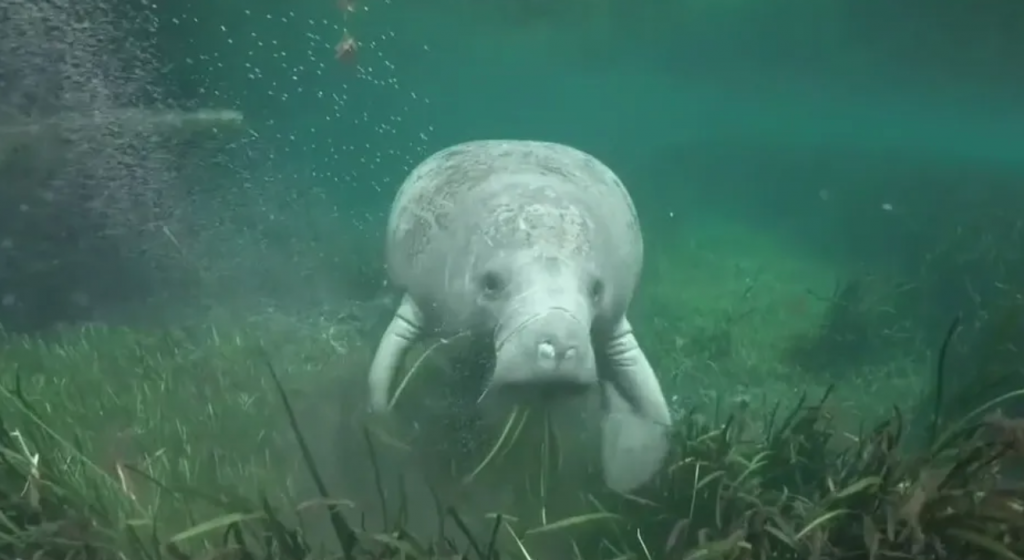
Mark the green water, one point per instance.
(823, 187)
(788, 145)
(742, 109)
(848, 139)
(857, 134)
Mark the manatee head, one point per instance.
(540, 292)
(541, 309)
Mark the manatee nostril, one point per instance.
(546, 351)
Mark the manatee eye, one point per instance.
(492, 283)
(596, 290)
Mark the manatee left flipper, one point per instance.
(636, 421)
(404, 330)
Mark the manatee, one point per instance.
(534, 249)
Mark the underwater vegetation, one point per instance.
(210, 443)
(117, 443)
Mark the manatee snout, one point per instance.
(562, 345)
(547, 350)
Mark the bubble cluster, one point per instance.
(99, 105)
(343, 126)
(74, 76)
(80, 159)
(329, 138)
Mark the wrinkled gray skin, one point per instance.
(535, 248)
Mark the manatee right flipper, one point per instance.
(405, 329)
(636, 422)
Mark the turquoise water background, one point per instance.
(824, 188)
(857, 131)
(794, 144)
(751, 109)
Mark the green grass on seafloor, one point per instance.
(176, 444)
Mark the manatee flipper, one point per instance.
(405, 329)
(636, 422)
